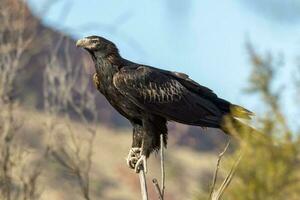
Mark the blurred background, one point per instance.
(60, 139)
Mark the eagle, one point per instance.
(150, 97)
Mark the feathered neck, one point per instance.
(111, 55)
(111, 62)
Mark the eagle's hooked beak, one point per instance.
(83, 43)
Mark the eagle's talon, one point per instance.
(132, 162)
(133, 156)
(141, 163)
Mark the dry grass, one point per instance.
(110, 177)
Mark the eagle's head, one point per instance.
(98, 46)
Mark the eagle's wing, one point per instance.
(169, 95)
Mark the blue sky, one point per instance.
(203, 38)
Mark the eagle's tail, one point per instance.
(231, 123)
(238, 129)
(240, 112)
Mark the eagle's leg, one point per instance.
(153, 126)
(146, 139)
(149, 143)
(144, 153)
(135, 151)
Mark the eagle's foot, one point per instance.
(141, 164)
(133, 156)
(135, 160)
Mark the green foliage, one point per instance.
(270, 165)
(270, 168)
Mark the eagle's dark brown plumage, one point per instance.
(149, 97)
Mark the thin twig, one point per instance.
(218, 194)
(217, 170)
(156, 186)
(161, 191)
(162, 165)
(143, 184)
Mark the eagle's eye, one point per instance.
(97, 44)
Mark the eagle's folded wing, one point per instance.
(160, 93)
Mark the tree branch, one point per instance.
(217, 170)
(143, 184)
(162, 165)
(161, 191)
(217, 194)
(156, 186)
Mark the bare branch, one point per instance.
(162, 165)
(217, 169)
(160, 191)
(217, 195)
(157, 189)
(143, 183)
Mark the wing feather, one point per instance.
(163, 94)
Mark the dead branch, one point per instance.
(16, 34)
(160, 191)
(66, 86)
(217, 169)
(216, 194)
(157, 189)
(162, 165)
(143, 183)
